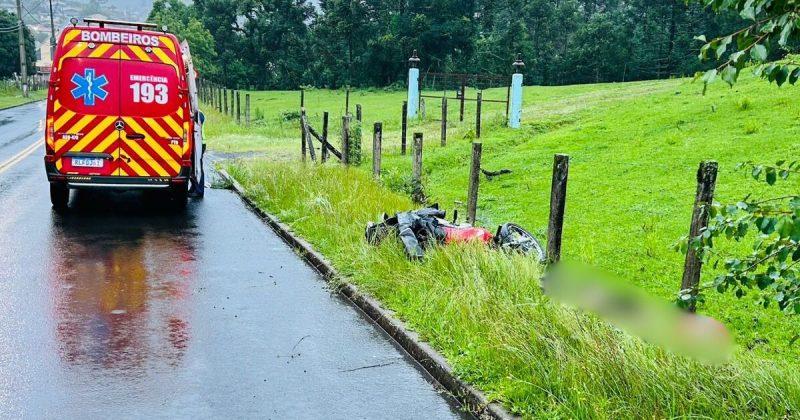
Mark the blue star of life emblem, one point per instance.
(89, 87)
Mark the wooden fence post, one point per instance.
(358, 113)
(233, 101)
(225, 98)
(444, 121)
(247, 110)
(347, 102)
(303, 133)
(309, 140)
(706, 184)
(478, 116)
(558, 201)
(346, 140)
(302, 98)
(325, 137)
(416, 173)
(474, 183)
(219, 99)
(238, 107)
(377, 139)
(404, 129)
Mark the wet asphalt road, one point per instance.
(119, 309)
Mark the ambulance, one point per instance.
(122, 113)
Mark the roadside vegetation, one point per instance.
(485, 312)
(11, 96)
(635, 149)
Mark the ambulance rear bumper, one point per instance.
(116, 182)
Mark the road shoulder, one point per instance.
(431, 360)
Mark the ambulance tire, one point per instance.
(180, 197)
(59, 196)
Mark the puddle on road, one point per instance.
(122, 271)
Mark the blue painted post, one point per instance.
(413, 86)
(515, 117)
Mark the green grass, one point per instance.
(484, 311)
(13, 97)
(635, 148)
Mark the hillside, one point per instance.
(635, 148)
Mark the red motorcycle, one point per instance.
(418, 230)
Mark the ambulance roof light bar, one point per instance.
(138, 25)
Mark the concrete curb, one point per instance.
(22, 104)
(434, 363)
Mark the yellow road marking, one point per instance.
(19, 156)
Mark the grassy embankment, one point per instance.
(11, 97)
(635, 148)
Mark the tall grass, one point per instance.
(485, 312)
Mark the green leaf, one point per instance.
(786, 231)
(772, 176)
(759, 53)
(782, 74)
(710, 76)
(757, 172)
(729, 75)
(795, 76)
(788, 28)
(748, 13)
(701, 38)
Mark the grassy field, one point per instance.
(13, 97)
(635, 149)
(485, 312)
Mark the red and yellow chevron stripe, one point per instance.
(166, 141)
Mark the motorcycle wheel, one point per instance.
(515, 237)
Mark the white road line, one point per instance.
(19, 156)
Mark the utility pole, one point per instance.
(22, 58)
(52, 33)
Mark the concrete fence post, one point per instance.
(413, 86)
(515, 117)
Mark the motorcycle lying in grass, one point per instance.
(421, 229)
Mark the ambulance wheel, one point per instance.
(59, 196)
(180, 196)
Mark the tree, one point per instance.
(772, 266)
(9, 45)
(181, 19)
(772, 27)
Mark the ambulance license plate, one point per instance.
(87, 162)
